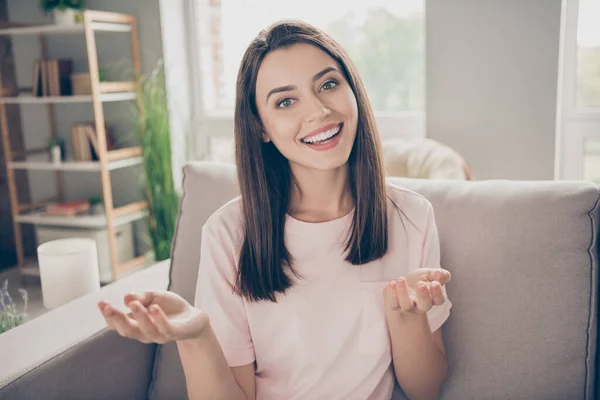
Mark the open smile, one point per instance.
(323, 135)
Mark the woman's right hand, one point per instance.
(156, 317)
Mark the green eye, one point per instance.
(285, 103)
(329, 85)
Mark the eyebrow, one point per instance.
(287, 88)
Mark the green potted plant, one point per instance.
(65, 12)
(158, 185)
(96, 205)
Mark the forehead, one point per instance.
(292, 65)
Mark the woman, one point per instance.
(319, 282)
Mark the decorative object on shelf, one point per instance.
(85, 141)
(10, 317)
(96, 205)
(82, 83)
(56, 146)
(65, 12)
(9, 92)
(70, 209)
(6, 66)
(68, 270)
(52, 77)
(155, 137)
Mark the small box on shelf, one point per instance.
(69, 209)
(81, 83)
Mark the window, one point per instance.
(588, 54)
(578, 144)
(385, 39)
(588, 83)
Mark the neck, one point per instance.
(320, 196)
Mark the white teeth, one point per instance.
(322, 136)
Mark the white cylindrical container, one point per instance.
(56, 155)
(68, 270)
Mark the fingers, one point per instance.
(428, 275)
(437, 294)
(124, 325)
(424, 302)
(144, 298)
(440, 275)
(145, 322)
(421, 297)
(391, 298)
(161, 321)
(405, 302)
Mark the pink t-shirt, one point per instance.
(327, 337)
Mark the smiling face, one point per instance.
(306, 106)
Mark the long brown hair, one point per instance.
(265, 178)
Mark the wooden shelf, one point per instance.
(120, 154)
(58, 29)
(116, 87)
(135, 264)
(93, 21)
(75, 165)
(84, 221)
(104, 97)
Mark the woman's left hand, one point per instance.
(416, 292)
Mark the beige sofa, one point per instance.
(525, 292)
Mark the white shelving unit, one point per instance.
(86, 221)
(94, 22)
(104, 98)
(24, 29)
(92, 166)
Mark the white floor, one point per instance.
(35, 305)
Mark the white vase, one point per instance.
(66, 17)
(55, 155)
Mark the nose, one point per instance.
(318, 111)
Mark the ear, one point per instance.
(265, 137)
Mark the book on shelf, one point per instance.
(52, 77)
(85, 142)
(69, 209)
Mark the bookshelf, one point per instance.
(104, 98)
(94, 22)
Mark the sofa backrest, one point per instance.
(524, 263)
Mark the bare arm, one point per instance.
(207, 373)
(419, 357)
(162, 317)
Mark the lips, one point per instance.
(322, 135)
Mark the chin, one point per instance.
(332, 163)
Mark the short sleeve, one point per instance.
(215, 295)
(431, 259)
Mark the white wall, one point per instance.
(492, 69)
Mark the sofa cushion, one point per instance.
(524, 288)
(206, 187)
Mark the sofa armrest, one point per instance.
(68, 353)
